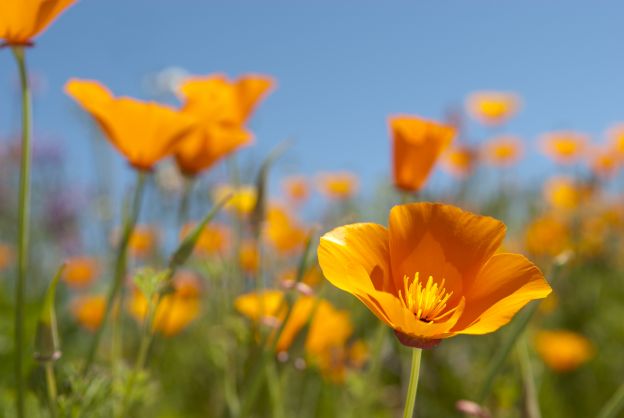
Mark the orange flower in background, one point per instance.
(604, 162)
(563, 350)
(89, 311)
(328, 327)
(6, 256)
(564, 193)
(23, 20)
(312, 277)
(143, 241)
(248, 257)
(282, 231)
(221, 108)
(80, 272)
(242, 201)
(433, 273)
(503, 151)
(214, 238)
(143, 132)
(416, 146)
(175, 311)
(492, 107)
(296, 189)
(459, 160)
(338, 185)
(547, 236)
(615, 137)
(564, 147)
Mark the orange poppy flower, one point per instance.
(22, 20)
(562, 350)
(416, 146)
(564, 147)
(222, 108)
(433, 273)
(242, 201)
(214, 238)
(175, 311)
(89, 311)
(296, 189)
(459, 160)
(547, 236)
(79, 272)
(143, 241)
(339, 185)
(282, 231)
(492, 107)
(503, 151)
(563, 193)
(248, 257)
(143, 132)
(604, 162)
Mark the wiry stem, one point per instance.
(120, 266)
(23, 223)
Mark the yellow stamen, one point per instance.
(427, 303)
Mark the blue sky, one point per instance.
(342, 67)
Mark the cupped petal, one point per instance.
(441, 241)
(416, 145)
(250, 90)
(505, 284)
(346, 251)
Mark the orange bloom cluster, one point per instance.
(176, 310)
(433, 273)
(222, 108)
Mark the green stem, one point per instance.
(614, 405)
(410, 399)
(120, 266)
(51, 384)
(23, 223)
(185, 201)
(532, 404)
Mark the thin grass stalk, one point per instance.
(51, 388)
(120, 265)
(23, 227)
(614, 405)
(532, 402)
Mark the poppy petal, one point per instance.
(506, 284)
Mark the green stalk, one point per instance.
(51, 385)
(532, 403)
(614, 405)
(120, 265)
(410, 399)
(23, 223)
(185, 202)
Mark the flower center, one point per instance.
(427, 303)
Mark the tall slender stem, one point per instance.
(23, 223)
(185, 201)
(532, 403)
(410, 399)
(51, 385)
(120, 265)
(614, 405)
